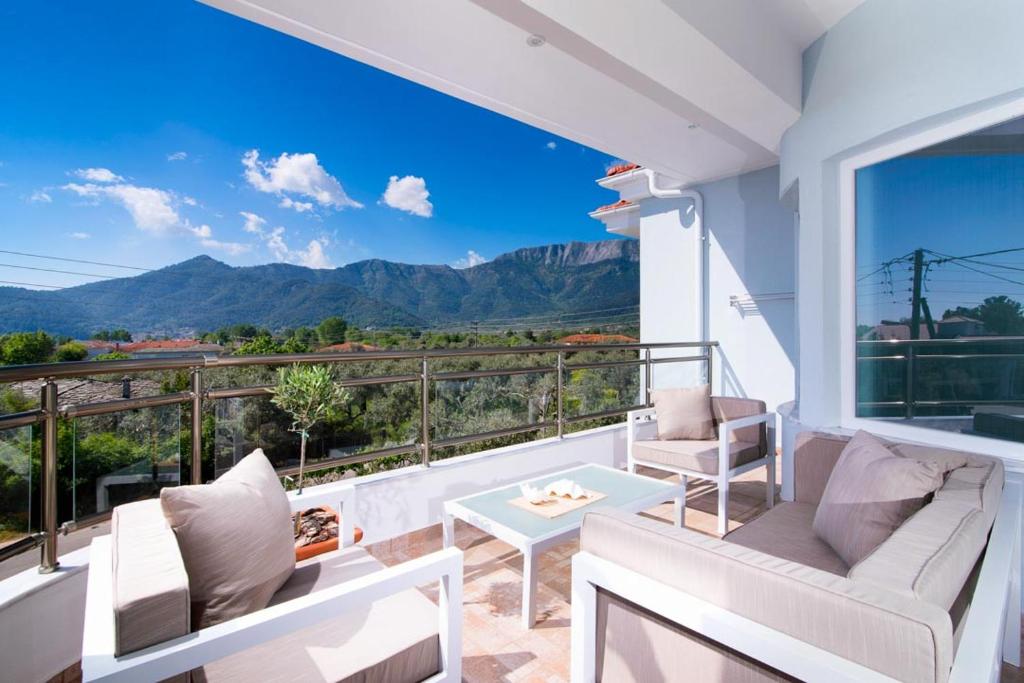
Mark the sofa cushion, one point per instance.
(684, 413)
(870, 492)
(931, 555)
(786, 531)
(908, 640)
(150, 591)
(235, 537)
(392, 639)
(978, 484)
(698, 456)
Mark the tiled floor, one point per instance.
(495, 645)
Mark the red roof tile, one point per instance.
(597, 339)
(621, 168)
(617, 205)
(347, 347)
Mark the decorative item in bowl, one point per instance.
(562, 488)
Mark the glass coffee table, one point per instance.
(531, 533)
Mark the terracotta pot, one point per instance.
(314, 549)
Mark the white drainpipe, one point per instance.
(700, 230)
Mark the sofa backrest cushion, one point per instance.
(236, 539)
(869, 494)
(815, 454)
(684, 413)
(150, 591)
(931, 555)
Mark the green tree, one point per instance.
(332, 330)
(71, 351)
(21, 348)
(113, 355)
(262, 345)
(1001, 315)
(310, 395)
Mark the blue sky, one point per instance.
(953, 205)
(145, 133)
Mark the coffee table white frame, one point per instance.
(532, 546)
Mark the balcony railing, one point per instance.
(938, 377)
(553, 417)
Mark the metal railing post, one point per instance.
(425, 411)
(709, 352)
(48, 490)
(648, 377)
(559, 388)
(197, 426)
(908, 394)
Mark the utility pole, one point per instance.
(915, 311)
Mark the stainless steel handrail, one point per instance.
(50, 412)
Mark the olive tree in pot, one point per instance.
(310, 394)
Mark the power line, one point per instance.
(29, 284)
(75, 260)
(64, 272)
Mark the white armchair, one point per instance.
(746, 441)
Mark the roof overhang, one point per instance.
(694, 90)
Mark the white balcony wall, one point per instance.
(886, 72)
(750, 254)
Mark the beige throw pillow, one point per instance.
(869, 494)
(684, 413)
(236, 539)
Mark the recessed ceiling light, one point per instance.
(693, 126)
(535, 40)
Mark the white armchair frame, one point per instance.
(990, 636)
(210, 644)
(646, 418)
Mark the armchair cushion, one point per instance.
(392, 639)
(150, 586)
(869, 494)
(697, 456)
(725, 408)
(684, 413)
(235, 537)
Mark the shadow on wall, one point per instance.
(756, 232)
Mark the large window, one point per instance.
(940, 285)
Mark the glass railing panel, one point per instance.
(19, 485)
(481, 405)
(376, 417)
(107, 460)
(601, 389)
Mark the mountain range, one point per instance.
(203, 294)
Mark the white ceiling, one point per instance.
(692, 88)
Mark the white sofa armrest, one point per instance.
(726, 428)
(210, 644)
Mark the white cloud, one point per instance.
(312, 256)
(408, 194)
(40, 197)
(80, 235)
(151, 209)
(299, 174)
(253, 223)
(233, 248)
(472, 259)
(301, 207)
(552, 145)
(177, 156)
(97, 175)
(190, 201)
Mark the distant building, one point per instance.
(348, 347)
(168, 348)
(597, 339)
(960, 326)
